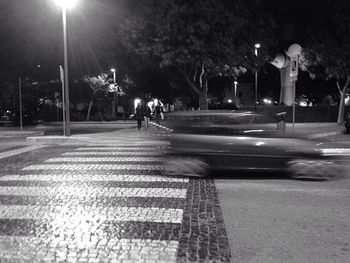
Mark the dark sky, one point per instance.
(32, 29)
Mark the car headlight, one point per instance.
(335, 151)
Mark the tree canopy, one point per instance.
(197, 39)
(327, 50)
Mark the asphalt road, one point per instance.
(106, 198)
(283, 220)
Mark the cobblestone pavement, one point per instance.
(106, 203)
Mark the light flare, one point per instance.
(66, 4)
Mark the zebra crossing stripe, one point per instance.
(102, 159)
(93, 191)
(77, 214)
(99, 153)
(93, 178)
(89, 167)
(53, 249)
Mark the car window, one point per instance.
(247, 124)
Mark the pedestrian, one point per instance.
(147, 116)
(139, 115)
(158, 113)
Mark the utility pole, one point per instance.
(20, 104)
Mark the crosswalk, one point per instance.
(97, 203)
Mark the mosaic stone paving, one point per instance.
(108, 204)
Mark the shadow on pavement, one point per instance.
(75, 131)
(248, 175)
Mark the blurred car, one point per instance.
(244, 141)
(11, 117)
(5, 118)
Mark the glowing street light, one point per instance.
(256, 47)
(235, 92)
(66, 4)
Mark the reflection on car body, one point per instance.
(243, 141)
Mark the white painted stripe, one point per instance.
(78, 214)
(96, 153)
(21, 150)
(102, 159)
(93, 191)
(90, 167)
(93, 177)
(115, 148)
(56, 249)
(163, 127)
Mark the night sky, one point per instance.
(32, 29)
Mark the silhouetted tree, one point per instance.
(199, 39)
(327, 51)
(97, 84)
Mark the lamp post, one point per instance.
(256, 47)
(235, 92)
(114, 97)
(66, 4)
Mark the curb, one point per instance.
(20, 150)
(56, 140)
(52, 125)
(21, 134)
(51, 140)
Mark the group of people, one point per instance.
(144, 112)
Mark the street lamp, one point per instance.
(114, 93)
(235, 92)
(66, 4)
(256, 47)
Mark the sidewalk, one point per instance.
(14, 132)
(86, 131)
(314, 130)
(109, 133)
(56, 128)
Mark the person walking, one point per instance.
(147, 116)
(158, 112)
(139, 115)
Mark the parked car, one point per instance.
(5, 118)
(244, 141)
(11, 117)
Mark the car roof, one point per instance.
(221, 116)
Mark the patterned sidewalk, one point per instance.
(107, 202)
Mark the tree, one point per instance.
(198, 39)
(97, 84)
(327, 51)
